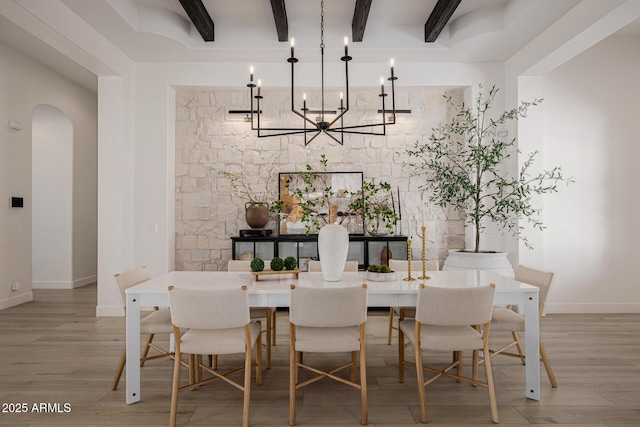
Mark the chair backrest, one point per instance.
(541, 279)
(130, 278)
(416, 265)
(209, 308)
(239, 265)
(314, 266)
(328, 307)
(455, 306)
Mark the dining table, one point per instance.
(274, 291)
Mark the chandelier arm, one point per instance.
(305, 118)
(383, 133)
(333, 137)
(312, 138)
(286, 133)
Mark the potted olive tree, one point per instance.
(462, 164)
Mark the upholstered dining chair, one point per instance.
(449, 319)
(214, 321)
(156, 322)
(402, 312)
(505, 319)
(314, 266)
(327, 320)
(260, 314)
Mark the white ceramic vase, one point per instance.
(496, 262)
(333, 246)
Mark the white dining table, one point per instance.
(274, 291)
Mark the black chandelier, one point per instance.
(322, 124)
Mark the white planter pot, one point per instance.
(495, 262)
(333, 246)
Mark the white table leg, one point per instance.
(133, 348)
(532, 345)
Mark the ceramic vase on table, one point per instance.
(333, 246)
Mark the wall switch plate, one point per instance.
(15, 286)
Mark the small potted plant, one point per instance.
(380, 273)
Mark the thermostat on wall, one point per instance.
(16, 202)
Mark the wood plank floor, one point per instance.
(55, 351)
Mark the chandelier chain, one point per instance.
(322, 24)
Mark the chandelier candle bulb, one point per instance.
(259, 86)
(251, 72)
(293, 43)
(382, 87)
(346, 46)
(391, 64)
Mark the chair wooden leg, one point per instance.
(490, 386)
(116, 379)
(421, 390)
(192, 370)
(199, 367)
(458, 360)
(391, 313)
(363, 377)
(269, 336)
(247, 379)
(274, 323)
(146, 350)
(353, 367)
(292, 376)
(475, 363)
(174, 390)
(400, 355)
(547, 366)
(259, 361)
(516, 339)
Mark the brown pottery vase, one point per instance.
(256, 214)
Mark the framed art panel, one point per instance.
(326, 196)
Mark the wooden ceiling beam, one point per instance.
(280, 17)
(439, 17)
(199, 17)
(359, 22)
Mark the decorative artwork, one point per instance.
(310, 200)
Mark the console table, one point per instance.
(365, 249)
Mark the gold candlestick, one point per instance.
(424, 254)
(408, 278)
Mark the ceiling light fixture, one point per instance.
(322, 124)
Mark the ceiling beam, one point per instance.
(199, 17)
(439, 17)
(359, 22)
(280, 16)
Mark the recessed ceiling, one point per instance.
(160, 31)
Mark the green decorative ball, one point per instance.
(290, 263)
(257, 264)
(277, 264)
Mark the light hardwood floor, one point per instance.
(54, 350)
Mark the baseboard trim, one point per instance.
(16, 300)
(64, 284)
(109, 311)
(591, 308)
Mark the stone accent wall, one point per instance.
(208, 139)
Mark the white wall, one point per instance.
(52, 194)
(591, 128)
(24, 84)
